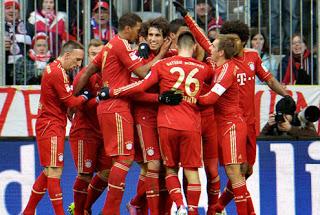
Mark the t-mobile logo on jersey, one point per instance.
(241, 78)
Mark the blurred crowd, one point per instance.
(30, 43)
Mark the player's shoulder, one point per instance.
(119, 44)
(251, 52)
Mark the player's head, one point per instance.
(95, 46)
(224, 47)
(186, 41)
(158, 30)
(71, 55)
(236, 27)
(129, 26)
(175, 27)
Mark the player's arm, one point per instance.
(142, 71)
(146, 97)
(218, 88)
(83, 79)
(63, 89)
(198, 33)
(275, 85)
(136, 87)
(264, 75)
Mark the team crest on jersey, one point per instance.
(251, 65)
(150, 151)
(88, 163)
(60, 157)
(68, 88)
(129, 145)
(133, 56)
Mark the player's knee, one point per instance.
(85, 176)
(192, 175)
(104, 174)
(249, 171)
(154, 165)
(244, 168)
(54, 172)
(233, 171)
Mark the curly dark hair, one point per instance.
(162, 24)
(236, 27)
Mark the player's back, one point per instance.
(186, 75)
(51, 110)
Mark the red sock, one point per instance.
(95, 189)
(240, 197)
(152, 191)
(250, 205)
(213, 190)
(116, 182)
(174, 189)
(165, 201)
(193, 196)
(55, 194)
(140, 198)
(80, 192)
(38, 190)
(226, 195)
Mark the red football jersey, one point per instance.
(55, 97)
(117, 60)
(175, 73)
(250, 66)
(225, 92)
(141, 106)
(85, 120)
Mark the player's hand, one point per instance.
(180, 8)
(165, 47)
(144, 50)
(104, 93)
(86, 94)
(170, 98)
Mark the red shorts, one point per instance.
(51, 151)
(232, 142)
(117, 132)
(180, 147)
(88, 154)
(251, 143)
(209, 137)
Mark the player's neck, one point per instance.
(185, 53)
(221, 61)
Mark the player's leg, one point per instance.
(169, 145)
(191, 160)
(39, 188)
(100, 181)
(117, 130)
(165, 200)
(80, 192)
(210, 159)
(54, 189)
(149, 142)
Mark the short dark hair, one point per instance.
(176, 24)
(161, 24)
(185, 39)
(236, 27)
(227, 43)
(128, 19)
(69, 46)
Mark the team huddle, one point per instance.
(178, 100)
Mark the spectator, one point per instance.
(204, 13)
(214, 28)
(17, 37)
(47, 19)
(259, 42)
(296, 68)
(282, 123)
(275, 23)
(33, 65)
(100, 26)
